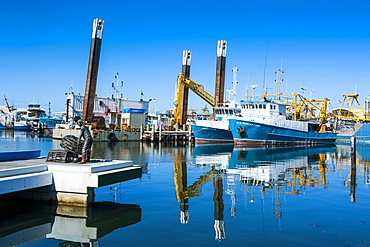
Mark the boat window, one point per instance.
(264, 106)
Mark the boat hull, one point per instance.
(253, 133)
(204, 134)
(362, 134)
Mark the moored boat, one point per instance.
(216, 131)
(265, 123)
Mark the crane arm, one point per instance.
(196, 88)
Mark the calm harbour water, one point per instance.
(213, 195)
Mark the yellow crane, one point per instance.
(198, 89)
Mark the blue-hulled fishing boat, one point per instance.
(266, 123)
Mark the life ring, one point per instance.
(112, 137)
(106, 110)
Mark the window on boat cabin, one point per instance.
(264, 106)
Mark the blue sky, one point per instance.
(321, 45)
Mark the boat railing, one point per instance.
(282, 122)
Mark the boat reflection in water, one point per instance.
(74, 226)
(278, 170)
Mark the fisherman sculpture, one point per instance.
(88, 140)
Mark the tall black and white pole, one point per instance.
(186, 61)
(92, 71)
(220, 72)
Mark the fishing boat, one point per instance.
(217, 130)
(350, 122)
(266, 123)
(21, 118)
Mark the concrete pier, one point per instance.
(62, 183)
(167, 136)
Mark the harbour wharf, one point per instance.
(30, 177)
(161, 135)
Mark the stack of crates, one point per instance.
(61, 156)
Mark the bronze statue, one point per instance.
(88, 141)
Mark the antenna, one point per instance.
(234, 83)
(117, 86)
(253, 87)
(264, 70)
(278, 82)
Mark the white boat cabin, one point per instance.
(262, 108)
(269, 113)
(226, 111)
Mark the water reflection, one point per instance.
(72, 225)
(225, 192)
(284, 170)
(10, 133)
(269, 167)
